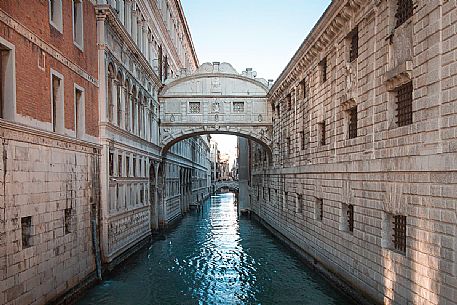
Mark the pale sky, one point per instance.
(258, 34)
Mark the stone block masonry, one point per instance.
(47, 191)
(363, 175)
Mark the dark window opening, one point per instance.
(127, 166)
(322, 135)
(26, 231)
(354, 49)
(405, 10)
(289, 146)
(67, 221)
(399, 233)
(352, 126)
(303, 88)
(134, 167)
(323, 68)
(350, 218)
(303, 140)
(405, 105)
(119, 165)
(289, 101)
(320, 209)
(111, 164)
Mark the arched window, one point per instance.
(119, 98)
(127, 103)
(134, 110)
(110, 92)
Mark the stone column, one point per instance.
(139, 40)
(145, 42)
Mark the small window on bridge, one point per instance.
(238, 107)
(194, 107)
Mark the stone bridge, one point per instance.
(215, 100)
(230, 185)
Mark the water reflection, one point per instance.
(214, 258)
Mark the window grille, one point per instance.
(405, 10)
(399, 233)
(322, 135)
(26, 231)
(111, 164)
(405, 104)
(350, 218)
(352, 122)
(68, 220)
(323, 66)
(303, 88)
(238, 107)
(194, 107)
(319, 209)
(354, 50)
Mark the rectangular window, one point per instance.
(323, 70)
(354, 44)
(303, 88)
(7, 80)
(405, 104)
(127, 166)
(78, 23)
(67, 220)
(194, 107)
(405, 10)
(57, 100)
(26, 231)
(269, 194)
(238, 107)
(141, 193)
(289, 101)
(352, 122)
(303, 140)
(111, 164)
(319, 209)
(119, 165)
(321, 133)
(289, 146)
(55, 14)
(79, 113)
(299, 204)
(347, 217)
(399, 233)
(134, 166)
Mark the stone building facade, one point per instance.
(362, 176)
(82, 170)
(49, 150)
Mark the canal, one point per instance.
(212, 257)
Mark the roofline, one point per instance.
(187, 30)
(313, 34)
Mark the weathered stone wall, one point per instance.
(45, 175)
(386, 170)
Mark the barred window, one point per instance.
(194, 107)
(321, 135)
(405, 10)
(399, 233)
(238, 107)
(354, 48)
(289, 101)
(350, 217)
(319, 209)
(26, 231)
(323, 68)
(303, 88)
(111, 164)
(352, 124)
(405, 104)
(67, 220)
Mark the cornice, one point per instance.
(187, 31)
(105, 12)
(330, 24)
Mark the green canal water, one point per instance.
(213, 257)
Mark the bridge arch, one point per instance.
(215, 100)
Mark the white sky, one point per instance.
(258, 34)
